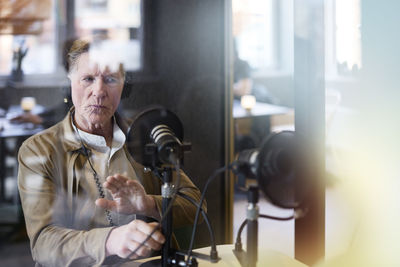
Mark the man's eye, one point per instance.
(88, 79)
(110, 80)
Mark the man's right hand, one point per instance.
(128, 197)
(125, 239)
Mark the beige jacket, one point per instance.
(53, 192)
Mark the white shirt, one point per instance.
(106, 161)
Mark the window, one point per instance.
(263, 32)
(343, 37)
(117, 22)
(253, 32)
(41, 44)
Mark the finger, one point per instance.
(117, 180)
(121, 176)
(157, 235)
(140, 237)
(147, 228)
(106, 204)
(125, 252)
(111, 187)
(142, 251)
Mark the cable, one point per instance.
(95, 176)
(213, 253)
(212, 177)
(277, 218)
(238, 243)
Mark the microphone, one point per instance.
(155, 138)
(169, 148)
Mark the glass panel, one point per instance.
(253, 32)
(342, 64)
(118, 22)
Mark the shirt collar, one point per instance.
(98, 142)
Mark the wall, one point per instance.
(188, 77)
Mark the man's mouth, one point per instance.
(98, 106)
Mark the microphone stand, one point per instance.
(249, 258)
(169, 258)
(252, 227)
(167, 191)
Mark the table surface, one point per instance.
(10, 129)
(260, 109)
(266, 257)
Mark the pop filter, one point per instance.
(275, 171)
(273, 166)
(155, 127)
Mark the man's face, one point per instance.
(96, 92)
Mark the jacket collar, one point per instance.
(71, 139)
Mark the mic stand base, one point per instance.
(241, 256)
(176, 260)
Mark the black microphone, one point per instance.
(169, 148)
(155, 138)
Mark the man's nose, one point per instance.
(99, 88)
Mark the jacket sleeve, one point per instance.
(184, 211)
(52, 243)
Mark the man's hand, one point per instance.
(129, 197)
(123, 240)
(27, 117)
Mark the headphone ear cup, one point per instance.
(67, 97)
(125, 90)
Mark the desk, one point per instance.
(260, 109)
(251, 127)
(266, 257)
(8, 130)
